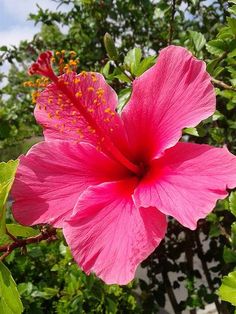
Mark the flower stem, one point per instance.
(222, 84)
(47, 233)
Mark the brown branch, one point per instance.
(11, 236)
(171, 25)
(189, 258)
(170, 292)
(167, 282)
(47, 233)
(222, 84)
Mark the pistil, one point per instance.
(107, 143)
(43, 67)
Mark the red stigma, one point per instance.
(43, 66)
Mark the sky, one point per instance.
(14, 23)
(13, 19)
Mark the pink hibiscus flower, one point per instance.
(108, 180)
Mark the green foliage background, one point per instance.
(47, 278)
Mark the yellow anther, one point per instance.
(90, 89)
(58, 53)
(90, 129)
(73, 62)
(106, 120)
(63, 52)
(100, 92)
(91, 110)
(49, 115)
(74, 113)
(77, 80)
(84, 73)
(107, 110)
(72, 53)
(50, 100)
(62, 127)
(34, 96)
(26, 84)
(79, 94)
(57, 114)
(94, 78)
(53, 60)
(66, 69)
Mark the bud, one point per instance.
(110, 47)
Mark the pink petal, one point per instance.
(109, 235)
(187, 181)
(61, 118)
(173, 94)
(51, 177)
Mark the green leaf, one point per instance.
(217, 116)
(227, 290)
(216, 46)
(144, 65)
(232, 203)
(232, 54)
(110, 47)
(21, 231)
(106, 69)
(198, 39)
(229, 255)
(123, 96)
(217, 71)
(232, 24)
(233, 82)
(232, 9)
(10, 302)
(3, 48)
(233, 235)
(191, 131)
(211, 65)
(132, 59)
(7, 174)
